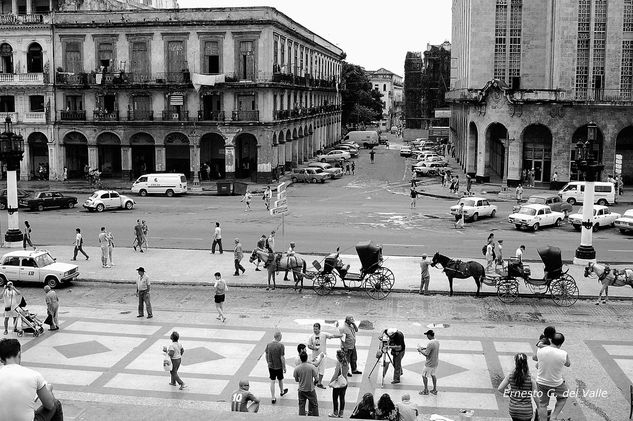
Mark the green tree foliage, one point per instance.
(361, 103)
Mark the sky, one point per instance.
(373, 33)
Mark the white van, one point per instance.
(368, 139)
(574, 191)
(168, 184)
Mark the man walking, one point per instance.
(138, 234)
(318, 344)
(79, 243)
(431, 351)
(261, 245)
(104, 244)
(348, 339)
(275, 357)
(217, 239)
(238, 255)
(52, 306)
(518, 192)
(142, 292)
(306, 375)
(459, 224)
(549, 379)
(268, 194)
(372, 153)
(425, 278)
(353, 167)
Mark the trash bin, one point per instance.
(239, 188)
(224, 188)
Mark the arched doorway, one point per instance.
(246, 156)
(472, 148)
(34, 59)
(580, 135)
(495, 148)
(212, 154)
(76, 146)
(537, 151)
(177, 157)
(624, 147)
(6, 58)
(109, 152)
(143, 154)
(38, 154)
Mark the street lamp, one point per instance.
(506, 143)
(11, 152)
(590, 168)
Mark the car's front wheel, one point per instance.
(493, 213)
(40, 207)
(294, 179)
(536, 227)
(475, 217)
(142, 192)
(571, 201)
(3, 280)
(100, 207)
(3, 206)
(323, 160)
(314, 180)
(558, 222)
(129, 205)
(52, 282)
(71, 205)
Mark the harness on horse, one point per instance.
(457, 266)
(606, 272)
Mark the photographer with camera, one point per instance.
(393, 340)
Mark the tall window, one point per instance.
(247, 61)
(7, 104)
(72, 58)
(34, 61)
(290, 56)
(282, 50)
(514, 58)
(507, 52)
(501, 33)
(591, 42)
(301, 70)
(74, 103)
(211, 57)
(139, 61)
(6, 58)
(276, 55)
(36, 103)
(599, 46)
(105, 55)
(582, 47)
(626, 74)
(628, 16)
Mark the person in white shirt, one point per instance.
(217, 239)
(549, 380)
(318, 344)
(11, 299)
(407, 411)
(290, 253)
(519, 253)
(79, 243)
(21, 387)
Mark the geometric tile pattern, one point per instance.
(81, 349)
(445, 369)
(200, 355)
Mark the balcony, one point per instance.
(75, 115)
(211, 115)
(35, 117)
(11, 19)
(123, 78)
(12, 115)
(105, 116)
(606, 96)
(245, 115)
(65, 78)
(22, 79)
(169, 115)
(140, 115)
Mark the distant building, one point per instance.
(413, 66)
(436, 78)
(389, 85)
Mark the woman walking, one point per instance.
(145, 230)
(522, 389)
(366, 409)
(338, 391)
(220, 295)
(26, 237)
(175, 352)
(10, 298)
(110, 238)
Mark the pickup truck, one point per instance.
(49, 199)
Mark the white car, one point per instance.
(474, 208)
(35, 266)
(405, 151)
(335, 172)
(429, 168)
(334, 156)
(350, 143)
(602, 217)
(108, 199)
(625, 222)
(535, 216)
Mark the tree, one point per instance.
(361, 103)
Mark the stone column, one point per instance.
(295, 153)
(159, 157)
(229, 134)
(194, 157)
(126, 162)
(93, 156)
(29, 7)
(288, 154)
(55, 171)
(14, 7)
(25, 163)
(300, 150)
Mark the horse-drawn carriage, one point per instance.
(560, 285)
(375, 279)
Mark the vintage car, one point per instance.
(49, 199)
(335, 172)
(353, 152)
(535, 216)
(334, 156)
(309, 175)
(554, 201)
(429, 168)
(108, 199)
(35, 266)
(474, 208)
(405, 151)
(602, 217)
(625, 222)
(350, 143)
(22, 195)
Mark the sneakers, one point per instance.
(273, 401)
(182, 386)
(357, 372)
(284, 392)
(434, 392)
(140, 315)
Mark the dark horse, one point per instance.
(460, 270)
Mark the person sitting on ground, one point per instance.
(366, 409)
(386, 409)
(241, 398)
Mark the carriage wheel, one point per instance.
(378, 285)
(508, 290)
(564, 291)
(324, 284)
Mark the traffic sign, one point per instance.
(281, 202)
(281, 210)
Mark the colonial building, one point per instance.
(436, 76)
(247, 91)
(413, 66)
(528, 76)
(390, 86)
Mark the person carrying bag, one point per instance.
(339, 384)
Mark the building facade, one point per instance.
(390, 86)
(527, 77)
(413, 66)
(436, 77)
(247, 91)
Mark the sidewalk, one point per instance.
(196, 267)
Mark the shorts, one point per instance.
(546, 392)
(219, 298)
(276, 373)
(428, 371)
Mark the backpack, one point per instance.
(484, 249)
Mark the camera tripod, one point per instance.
(382, 359)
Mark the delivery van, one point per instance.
(168, 184)
(574, 191)
(367, 139)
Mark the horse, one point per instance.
(281, 262)
(460, 270)
(609, 277)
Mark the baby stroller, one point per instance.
(30, 322)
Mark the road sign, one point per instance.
(281, 195)
(281, 202)
(281, 210)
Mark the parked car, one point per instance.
(49, 199)
(334, 156)
(168, 184)
(309, 175)
(108, 199)
(368, 138)
(429, 168)
(335, 172)
(350, 143)
(424, 155)
(353, 152)
(405, 151)
(438, 159)
(602, 217)
(474, 208)
(625, 222)
(554, 201)
(35, 266)
(535, 216)
(574, 192)
(22, 194)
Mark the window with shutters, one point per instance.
(282, 52)
(7, 104)
(6, 58)
(176, 61)
(247, 60)
(246, 102)
(140, 61)
(73, 62)
(74, 103)
(212, 57)
(105, 55)
(627, 25)
(626, 74)
(276, 65)
(289, 64)
(36, 103)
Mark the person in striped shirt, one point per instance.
(241, 397)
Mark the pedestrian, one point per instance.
(142, 292)
(524, 176)
(145, 230)
(431, 351)
(353, 167)
(347, 169)
(65, 175)
(268, 194)
(26, 236)
(499, 252)
(407, 411)
(241, 397)
(110, 238)
(318, 344)
(531, 177)
(551, 361)
(414, 197)
(518, 254)
(238, 255)
(261, 246)
(396, 344)
(386, 409)
(247, 200)
(456, 186)
(445, 179)
(52, 306)
(217, 239)
(451, 187)
(21, 388)
(555, 179)
(220, 289)
(425, 278)
(270, 242)
(459, 223)
(11, 299)
(339, 385)
(620, 186)
(469, 183)
(306, 374)
(79, 243)
(290, 253)
(104, 244)
(365, 409)
(138, 236)
(518, 193)
(521, 388)
(490, 253)
(175, 352)
(275, 357)
(348, 343)
(371, 155)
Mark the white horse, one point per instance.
(609, 277)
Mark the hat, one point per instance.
(429, 332)
(140, 269)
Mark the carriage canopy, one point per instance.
(551, 256)
(370, 255)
